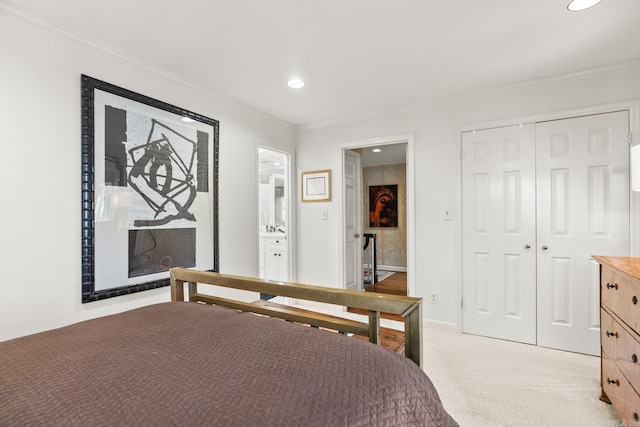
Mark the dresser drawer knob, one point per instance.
(616, 382)
(634, 300)
(634, 358)
(612, 334)
(614, 286)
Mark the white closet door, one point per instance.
(583, 210)
(498, 228)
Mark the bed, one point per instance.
(192, 363)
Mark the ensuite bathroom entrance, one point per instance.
(274, 228)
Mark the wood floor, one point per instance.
(389, 338)
(395, 284)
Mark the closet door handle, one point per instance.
(527, 246)
(545, 247)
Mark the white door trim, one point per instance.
(411, 216)
(633, 106)
(291, 201)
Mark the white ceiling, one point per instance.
(388, 154)
(270, 162)
(356, 56)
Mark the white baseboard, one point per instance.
(392, 268)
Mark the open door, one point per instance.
(353, 221)
(274, 223)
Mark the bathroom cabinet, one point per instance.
(274, 257)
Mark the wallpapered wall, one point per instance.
(391, 242)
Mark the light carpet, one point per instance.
(489, 382)
(485, 382)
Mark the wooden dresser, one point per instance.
(619, 335)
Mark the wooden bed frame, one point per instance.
(408, 307)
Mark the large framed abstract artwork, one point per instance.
(149, 191)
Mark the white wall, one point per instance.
(40, 173)
(433, 127)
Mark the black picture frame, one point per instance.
(149, 190)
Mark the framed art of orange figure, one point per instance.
(383, 205)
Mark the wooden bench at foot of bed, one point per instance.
(408, 307)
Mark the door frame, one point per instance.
(632, 106)
(289, 195)
(411, 215)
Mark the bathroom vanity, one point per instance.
(274, 256)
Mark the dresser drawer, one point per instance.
(621, 295)
(621, 346)
(621, 394)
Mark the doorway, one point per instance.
(538, 200)
(274, 215)
(355, 187)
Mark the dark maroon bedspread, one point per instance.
(190, 364)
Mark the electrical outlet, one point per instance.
(447, 214)
(434, 297)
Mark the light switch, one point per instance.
(324, 214)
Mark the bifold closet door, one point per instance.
(583, 210)
(498, 229)
(537, 202)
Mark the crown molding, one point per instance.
(9, 9)
(534, 84)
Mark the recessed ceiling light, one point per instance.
(296, 83)
(578, 5)
(376, 150)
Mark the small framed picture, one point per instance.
(316, 186)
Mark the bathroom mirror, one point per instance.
(272, 186)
